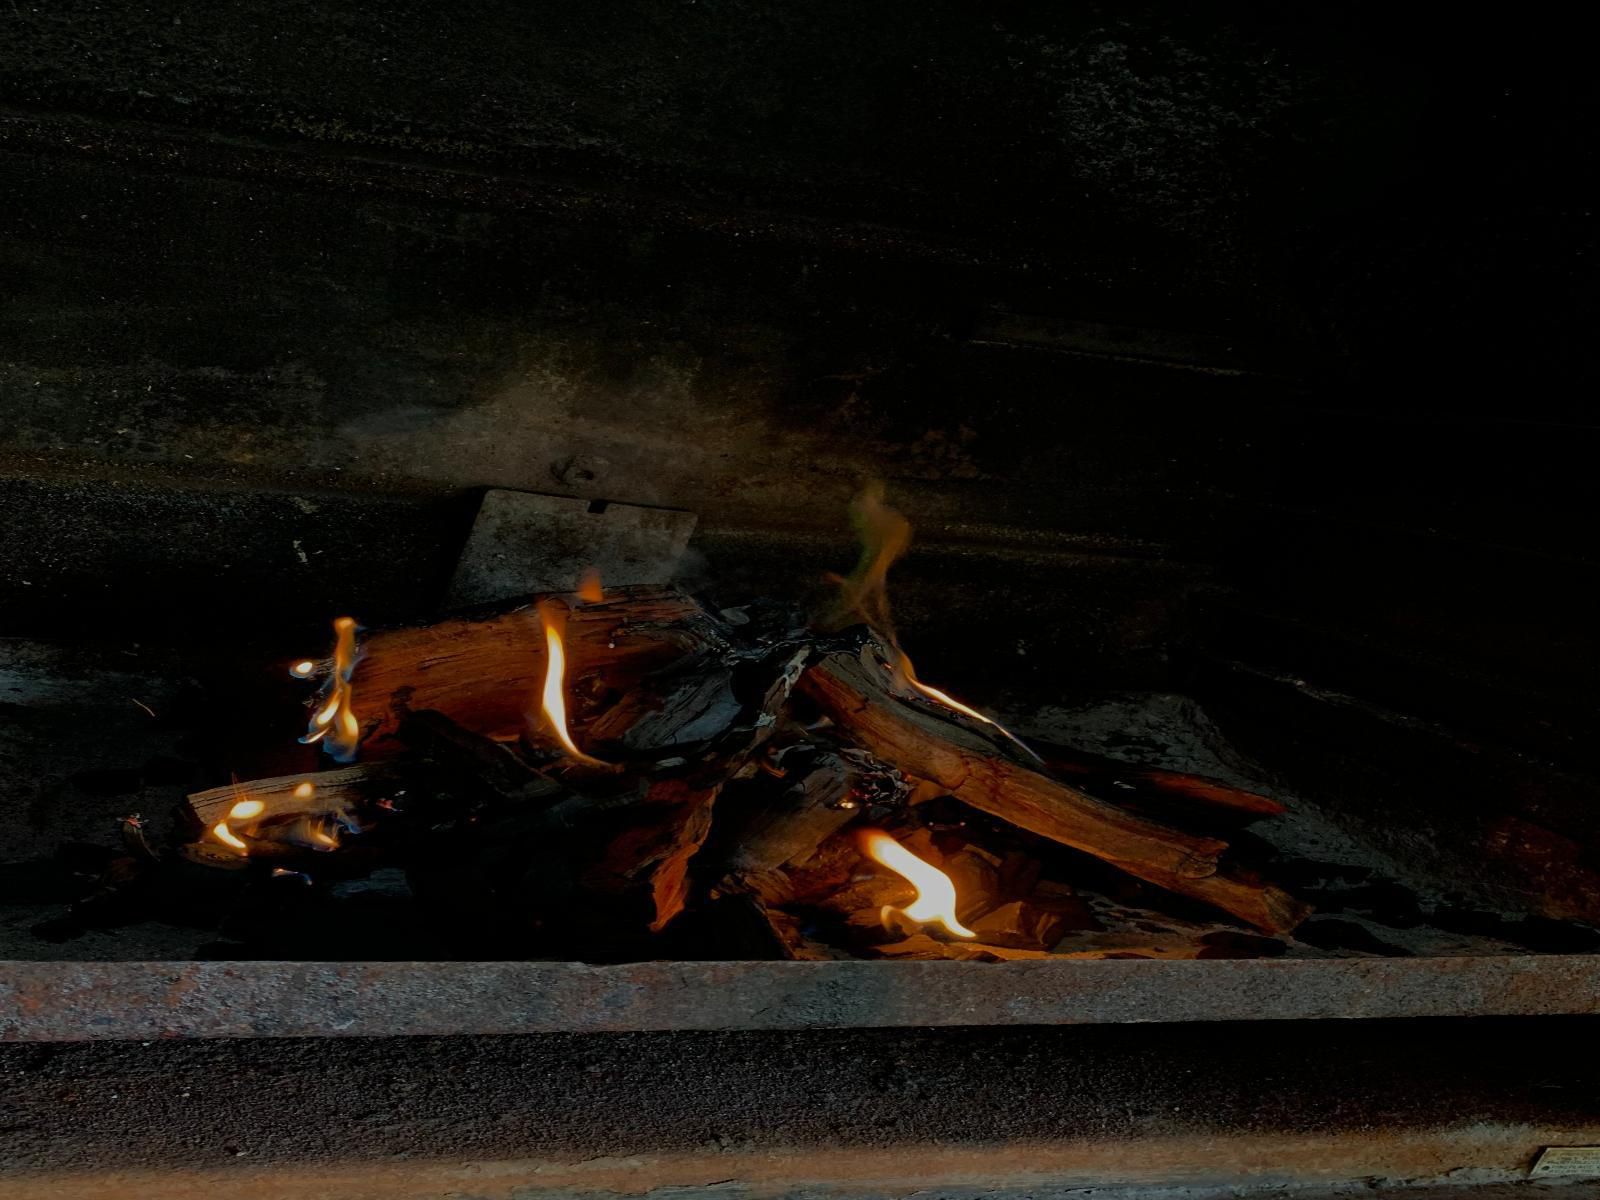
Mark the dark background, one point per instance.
(1238, 348)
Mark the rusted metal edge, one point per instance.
(42, 1001)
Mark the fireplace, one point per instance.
(458, 583)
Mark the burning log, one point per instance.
(340, 790)
(941, 748)
(485, 673)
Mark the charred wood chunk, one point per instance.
(778, 820)
(473, 764)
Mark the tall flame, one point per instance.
(334, 724)
(936, 893)
(553, 699)
(864, 594)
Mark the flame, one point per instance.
(246, 810)
(303, 668)
(589, 589)
(304, 791)
(936, 894)
(553, 699)
(222, 833)
(864, 595)
(320, 836)
(335, 723)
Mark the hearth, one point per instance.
(457, 582)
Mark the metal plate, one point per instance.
(83, 1001)
(524, 542)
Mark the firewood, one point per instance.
(485, 672)
(855, 696)
(339, 790)
(776, 821)
(649, 857)
(461, 758)
(1155, 789)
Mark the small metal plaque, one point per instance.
(1567, 1160)
(524, 542)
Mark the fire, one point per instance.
(864, 594)
(335, 724)
(223, 834)
(304, 791)
(553, 699)
(303, 669)
(589, 589)
(243, 810)
(936, 894)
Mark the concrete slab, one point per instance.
(81, 1001)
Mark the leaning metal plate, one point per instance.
(1568, 1161)
(525, 542)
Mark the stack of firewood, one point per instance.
(710, 795)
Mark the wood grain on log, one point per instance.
(485, 673)
(338, 790)
(854, 694)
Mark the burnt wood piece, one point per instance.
(1155, 788)
(713, 710)
(785, 820)
(474, 762)
(341, 790)
(485, 672)
(648, 858)
(854, 694)
(770, 931)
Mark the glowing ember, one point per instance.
(335, 724)
(223, 834)
(304, 791)
(864, 594)
(589, 589)
(553, 698)
(246, 810)
(936, 894)
(303, 668)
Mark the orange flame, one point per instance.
(553, 699)
(246, 810)
(303, 669)
(223, 834)
(335, 723)
(864, 594)
(936, 894)
(589, 589)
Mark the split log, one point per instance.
(342, 790)
(853, 693)
(485, 672)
